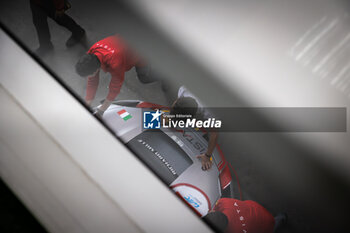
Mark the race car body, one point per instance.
(171, 154)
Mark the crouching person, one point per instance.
(234, 216)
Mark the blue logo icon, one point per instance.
(151, 119)
(190, 200)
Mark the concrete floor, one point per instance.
(272, 170)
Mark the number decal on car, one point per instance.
(197, 145)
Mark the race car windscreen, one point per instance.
(161, 154)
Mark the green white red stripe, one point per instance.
(124, 115)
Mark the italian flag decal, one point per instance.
(124, 114)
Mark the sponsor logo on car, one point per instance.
(192, 200)
(159, 156)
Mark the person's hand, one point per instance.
(206, 162)
(88, 102)
(59, 13)
(98, 113)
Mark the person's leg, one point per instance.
(147, 75)
(280, 220)
(144, 74)
(42, 28)
(77, 31)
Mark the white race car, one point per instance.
(171, 154)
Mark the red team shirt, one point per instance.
(245, 216)
(115, 58)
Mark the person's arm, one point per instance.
(114, 89)
(106, 103)
(91, 87)
(205, 158)
(213, 139)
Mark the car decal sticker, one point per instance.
(195, 197)
(124, 115)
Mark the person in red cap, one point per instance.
(111, 55)
(231, 215)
